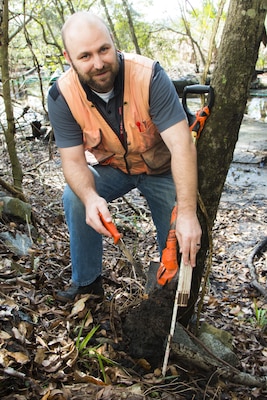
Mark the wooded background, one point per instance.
(44, 346)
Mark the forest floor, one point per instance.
(42, 351)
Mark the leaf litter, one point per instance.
(50, 350)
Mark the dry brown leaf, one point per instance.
(53, 367)
(11, 304)
(81, 377)
(71, 355)
(105, 393)
(158, 372)
(20, 357)
(42, 342)
(39, 355)
(152, 379)
(59, 340)
(52, 363)
(79, 305)
(235, 310)
(55, 394)
(136, 389)
(4, 359)
(46, 396)
(173, 370)
(118, 375)
(144, 364)
(18, 335)
(4, 335)
(89, 319)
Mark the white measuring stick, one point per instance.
(184, 283)
(170, 336)
(181, 299)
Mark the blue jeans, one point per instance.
(85, 243)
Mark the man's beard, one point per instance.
(96, 84)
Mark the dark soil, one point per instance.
(147, 326)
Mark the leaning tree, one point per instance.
(237, 57)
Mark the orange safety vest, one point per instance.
(145, 151)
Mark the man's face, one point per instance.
(92, 54)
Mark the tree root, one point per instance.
(214, 367)
(258, 249)
(11, 189)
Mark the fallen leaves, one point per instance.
(7, 358)
(39, 352)
(79, 306)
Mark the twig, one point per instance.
(130, 204)
(38, 165)
(18, 279)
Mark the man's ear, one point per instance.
(66, 56)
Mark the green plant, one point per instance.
(81, 344)
(91, 352)
(260, 315)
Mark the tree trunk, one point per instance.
(111, 24)
(131, 26)
(9, 131)
(35, 61)
(212, 45)
(231, 79)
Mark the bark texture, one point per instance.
(9, 131)
(231, 79)
(237, 57)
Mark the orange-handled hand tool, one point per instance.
(111, 228)
(117, 237)
(169, 265)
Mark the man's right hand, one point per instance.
(81, 181)
(94, 208)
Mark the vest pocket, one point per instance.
(158, 158)
(96, 149)
(103, 157)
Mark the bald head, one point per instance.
(78, 23)
(90, 50)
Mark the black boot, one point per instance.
(95, 288)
